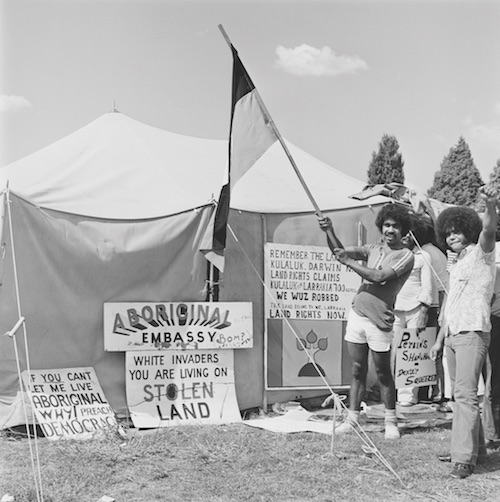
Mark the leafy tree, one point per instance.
(458, 180)
(495, 182)
(387, 164)
(495, 177)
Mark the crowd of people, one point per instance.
(425, 274)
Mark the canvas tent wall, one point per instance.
(116, 212)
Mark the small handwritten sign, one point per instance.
(166, 388)
(414, 367)
(68, 402)
(177, 326)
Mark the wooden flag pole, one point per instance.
(330, 233)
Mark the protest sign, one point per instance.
(414, 367)
(307, 282)
(68, 402)
(182, 325)
(168, 387)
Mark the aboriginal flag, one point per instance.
(251, 133)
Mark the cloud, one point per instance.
(485, 134)
(307, 60)
(13, 103)
(496, 109)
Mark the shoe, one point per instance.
(392, 431)
(344, 428)
(446, 457)
(462, 471)
(406, 404)
(445, 407)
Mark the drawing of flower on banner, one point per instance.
(312, 341)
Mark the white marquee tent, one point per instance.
(116, 211)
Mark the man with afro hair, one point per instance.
(386, 266)
(465, 329)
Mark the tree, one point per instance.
(495, 182)
(458, 180)
(495, 176)
(387, 164)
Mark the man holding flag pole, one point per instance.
(252, 132)
(370, 321)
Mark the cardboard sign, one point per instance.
(180, 326)
(414, 367)
(167, 388)
(68, 402)
(307, 282)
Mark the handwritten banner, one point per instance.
(68, 402)
(167, 388)
(414, 367)
(307, 282)
(183, 325)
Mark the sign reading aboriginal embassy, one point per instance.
(68, 402)
(180, 326)
(307, 282)
(169, 387)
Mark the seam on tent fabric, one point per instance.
(45, 209)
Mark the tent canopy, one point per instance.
(116, 212)
(119, 168)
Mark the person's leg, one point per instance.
(487, 411)
(494, 355)
(467, 440)
(359, 368)
(359, 360)
(407, 396)
(382, 362)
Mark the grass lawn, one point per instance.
(233, 463)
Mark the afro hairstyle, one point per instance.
(459, 219)
(422, 228)
(394, 212)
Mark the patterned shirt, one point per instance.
(376, 300)
(472, 279)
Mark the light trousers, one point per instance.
(466, 352)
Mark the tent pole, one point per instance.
(265, 331)
(12, 334)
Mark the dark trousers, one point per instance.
(491, 374)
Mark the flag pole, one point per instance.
(330, 233)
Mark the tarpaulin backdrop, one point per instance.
(69, 265)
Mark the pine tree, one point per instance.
(495, 177)
(495, 183)
(387, 164)
(458, 180)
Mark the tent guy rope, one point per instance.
(12, 334)
(338, 404)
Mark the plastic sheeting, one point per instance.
(69, 265)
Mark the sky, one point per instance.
(335, 75)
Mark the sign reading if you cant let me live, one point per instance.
(177, 325)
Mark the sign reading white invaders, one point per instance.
(68, 402)
(169, 387)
